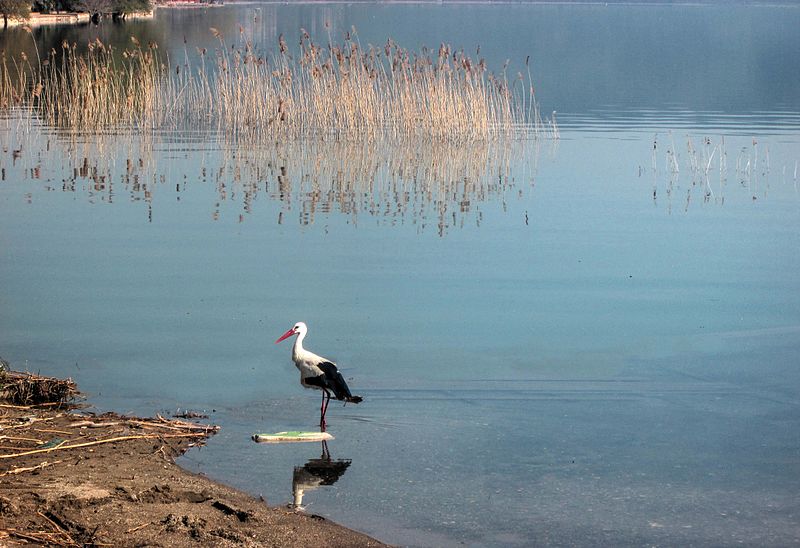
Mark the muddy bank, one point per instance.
(69, 478)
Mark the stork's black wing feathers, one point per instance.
(318, 381)
(335, 382)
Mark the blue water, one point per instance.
(577, 342)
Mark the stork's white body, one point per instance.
(306, 361)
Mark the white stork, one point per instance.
(318, 372)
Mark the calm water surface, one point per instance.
(582, 342)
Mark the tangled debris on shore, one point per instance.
(22, 388)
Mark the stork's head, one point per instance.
(298, 329)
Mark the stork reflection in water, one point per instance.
(316, 473)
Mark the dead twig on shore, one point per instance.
(27, 422)
(9, 406)
(48, 431)
(98, 442)
(138, 528)
(39, 466)
(69, 541)
(92, 424)
(38, 537)
(176, 425)
(13, 438)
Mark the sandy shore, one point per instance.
(73, 479)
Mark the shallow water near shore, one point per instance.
(584, 341)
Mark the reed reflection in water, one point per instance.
(687, 168)
(438, 184)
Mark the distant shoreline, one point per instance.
(67, 18)
(755, 3)
(40, 19)
(37, 19)
(73, 18)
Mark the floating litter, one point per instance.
(291, 436)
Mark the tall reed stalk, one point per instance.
(97, 90)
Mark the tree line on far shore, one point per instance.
(22, 9)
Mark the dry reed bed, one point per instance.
(338, 90)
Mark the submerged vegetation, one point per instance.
(338, 90)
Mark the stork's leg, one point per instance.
(326, 398)
(322, 413)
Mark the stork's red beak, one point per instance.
(286, 335)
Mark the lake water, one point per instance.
(587, 341)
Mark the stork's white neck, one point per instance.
(297, 349)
